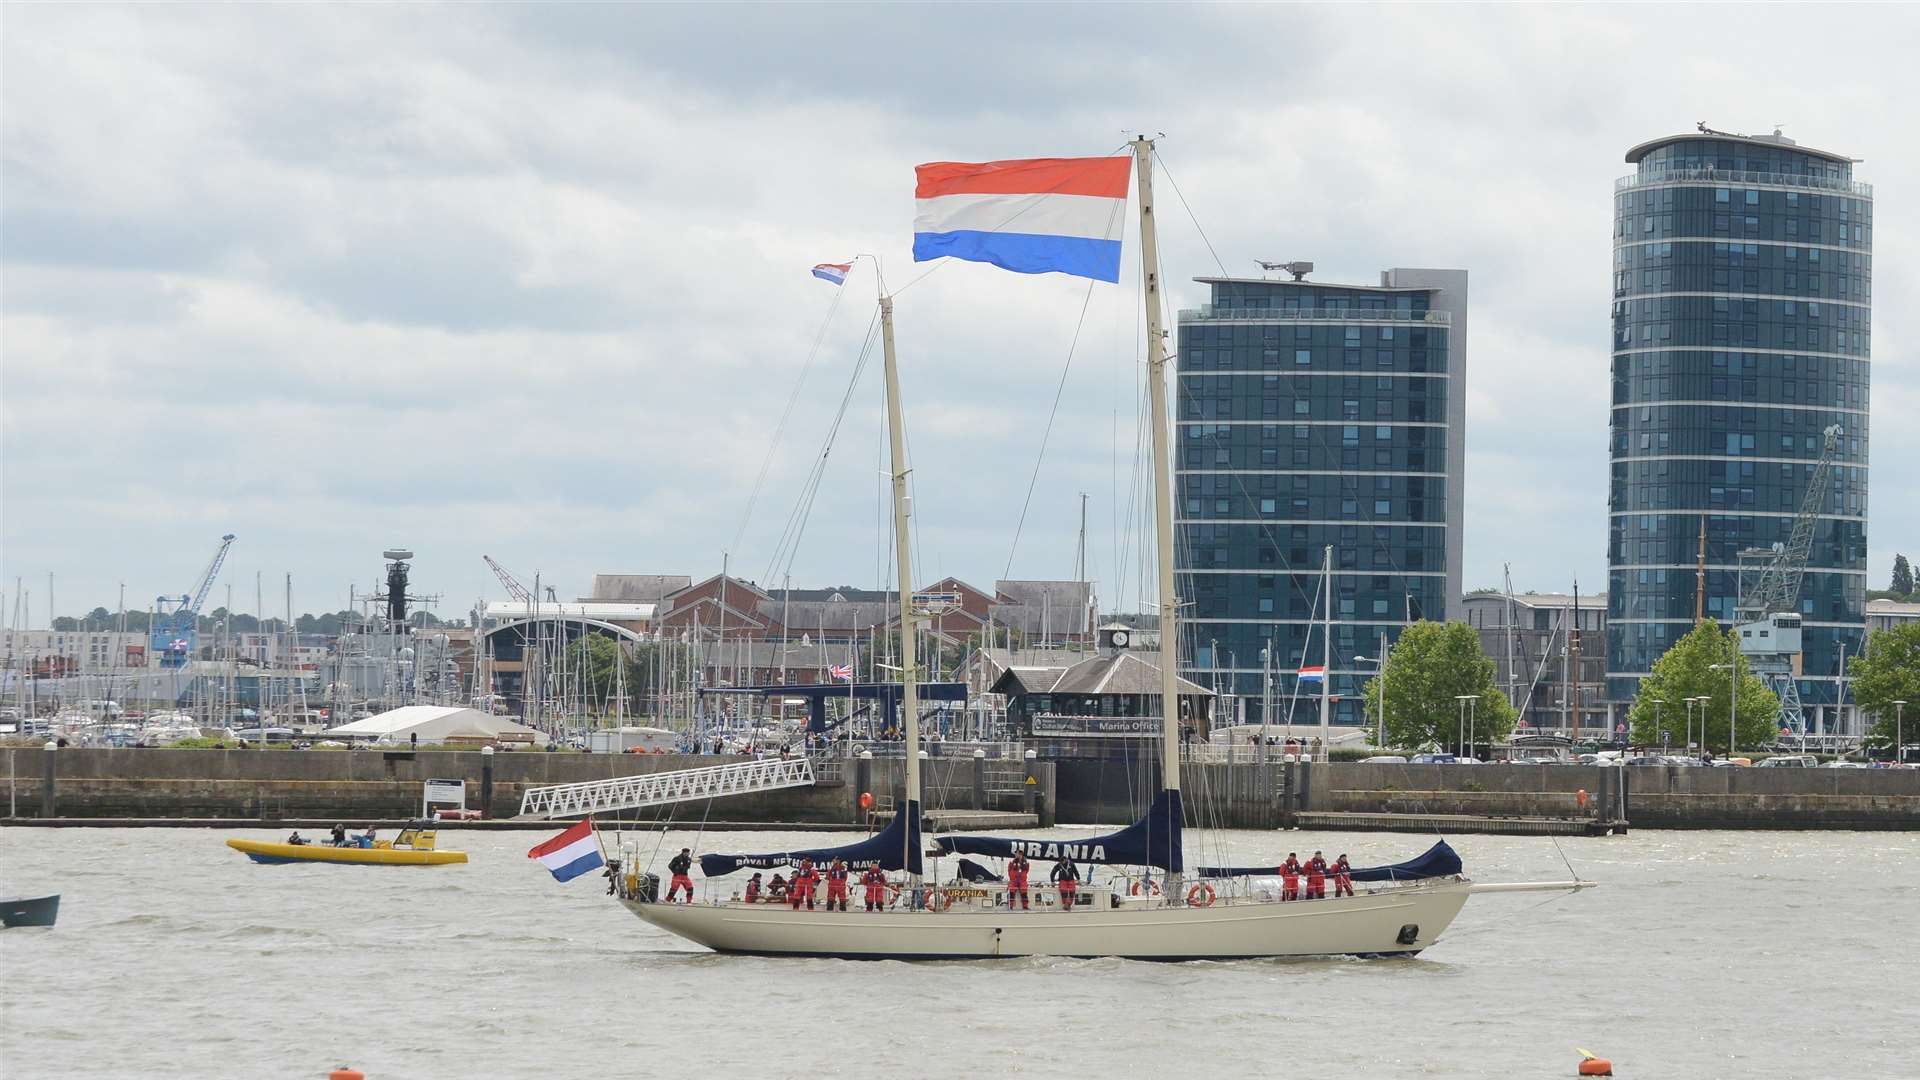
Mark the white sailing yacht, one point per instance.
(1396, 910)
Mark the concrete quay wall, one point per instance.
(284, 784)
(357, 784)
(1266, 796)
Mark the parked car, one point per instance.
(1787, 761)
(1435, 759)
(1384, 759)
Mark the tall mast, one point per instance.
(903, 562)
(1573, 646)
(1513, 675)
(1326, 648)
(1162, 472)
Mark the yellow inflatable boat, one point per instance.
(413, 847)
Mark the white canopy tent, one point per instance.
(435, 723)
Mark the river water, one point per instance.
(1705, 954)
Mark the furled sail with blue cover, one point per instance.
(1440, 860)
(896, 847)
(1154, 840)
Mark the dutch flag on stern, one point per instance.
(570, 854)
(1037, 216)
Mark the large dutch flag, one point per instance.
(1315, 673)
(1037, 216)
(570, 854)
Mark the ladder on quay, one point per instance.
(661, 788)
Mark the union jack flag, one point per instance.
(843, 672)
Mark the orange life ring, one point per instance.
(893, 893)
(1200, 895)
(940, 900)
(1152, 888)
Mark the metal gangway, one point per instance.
(660, 788)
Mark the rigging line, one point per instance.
(1059, 391)
(1190, 214)
(788, 545)
(773, 444)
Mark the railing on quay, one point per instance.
(945, 748)
(1242, 313)
(1655, 177)
(660, 788)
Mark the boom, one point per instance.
(1778, 587)
(175, 631)
(514, 588)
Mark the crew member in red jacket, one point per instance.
(1317, 877)
(804, 880)
(1290, 877)
(1017, 872)
(1342, 876)
(875, 880)
(837, 884)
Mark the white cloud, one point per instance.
(530, 282)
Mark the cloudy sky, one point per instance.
(531, 282)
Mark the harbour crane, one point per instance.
(514, 588)
(1767, 616)
(176, 623)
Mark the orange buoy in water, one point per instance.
(344, 1073)
(866, 800)
(1595, 1066)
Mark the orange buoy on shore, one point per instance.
(1582, 795)
(866, 800)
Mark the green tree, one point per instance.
(1429, 668)
(594, 660)
(1686, 670)
(1902, 576)
(1889, 671)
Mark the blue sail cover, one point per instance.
(1154, 840)
(896, 847)
(1440, 860)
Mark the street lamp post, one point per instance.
(1733, 702)
(1380, 736)
(1461, 735)
(1899, 733)
(1659, 718)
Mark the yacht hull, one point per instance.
(1375, 924)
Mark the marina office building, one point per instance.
(1743, 271)
(1317, 415)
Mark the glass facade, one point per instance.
(1742, 302)
(1312, 416)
